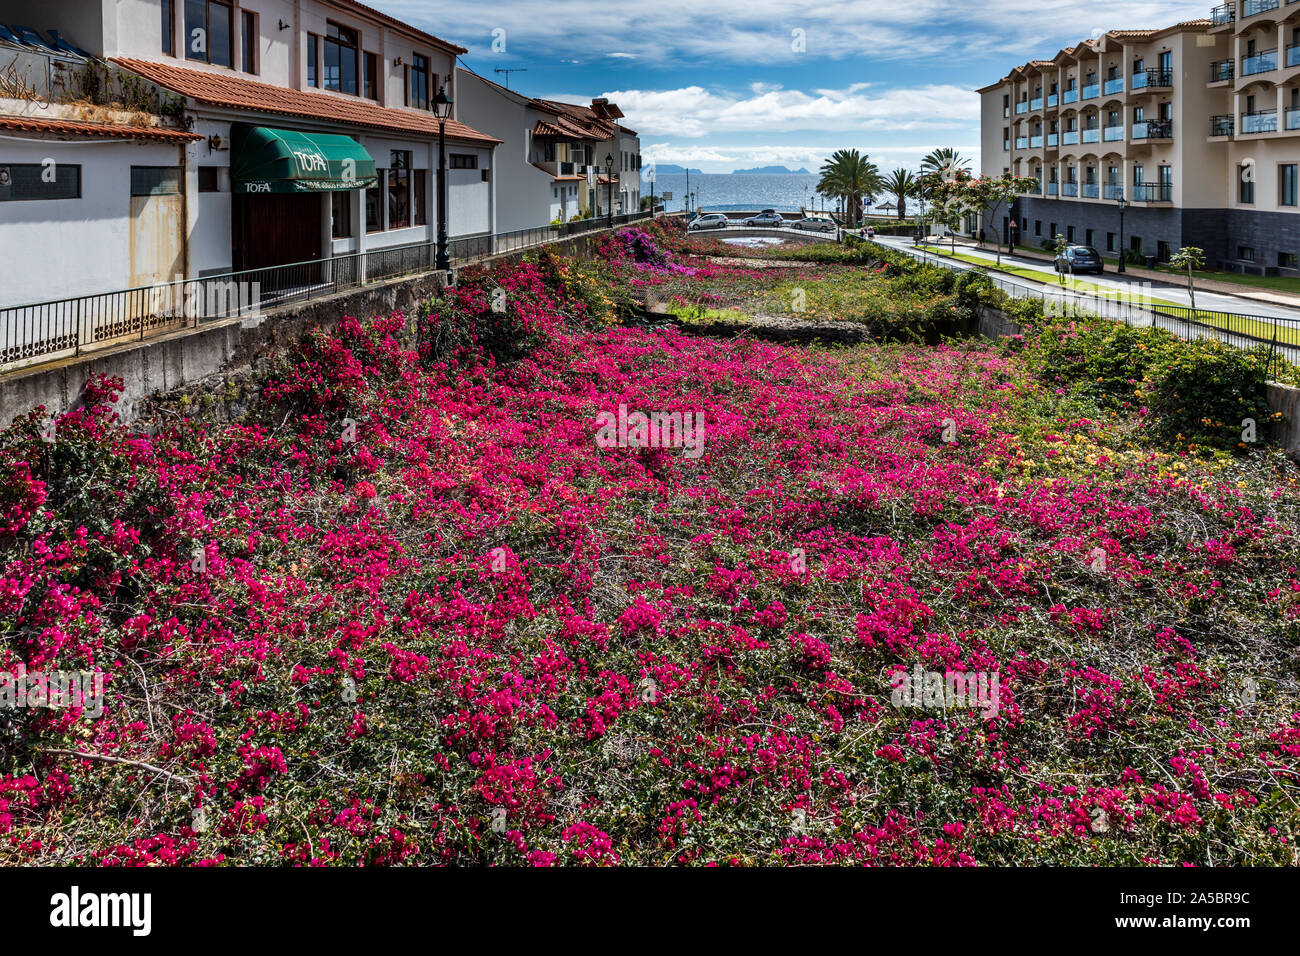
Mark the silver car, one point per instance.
(713, 220)
(816, 224)
(768, 217)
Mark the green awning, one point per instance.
(266, 160)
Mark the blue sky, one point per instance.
(730, 83)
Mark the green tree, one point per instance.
(901, 184)
(988, 194)
(1193, 260)
(849, 176)
(1059, 244)
(946, 162)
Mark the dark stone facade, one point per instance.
(1220, 232)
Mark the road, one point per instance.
(1136, 287)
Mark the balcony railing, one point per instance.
(1092, 135)
(1153, 192)
(1036, 142)
(1037, 188)
(1006, 145)
(1114, 191)
(1036, 103)
(1022, 107)
(1221, 71)
(1261, 121)
(1052, 99)
(1154, 129)
(1253, 7)
(1259, 63)
(1113, 134)
(1091, 91)
(1293, 55)
(1221, 125)
(1153, 79)
(1113, 86)
(1070, 96)
(1022, 142)
(1293, 119)
(1070, 138)
(1070, 189)
(1006, 112)
(1053, 189)
(1051, 140)
(1224, 14)
(1091, 191)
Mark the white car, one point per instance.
(714, 220)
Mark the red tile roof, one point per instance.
(30, 124)
(235, 92)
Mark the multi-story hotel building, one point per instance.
(1196, 126)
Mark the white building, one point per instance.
(303, 130)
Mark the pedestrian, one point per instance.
(1012, 231)
(871, 233)
(981, 237)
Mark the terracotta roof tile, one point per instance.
(30, 124)
(234, 92)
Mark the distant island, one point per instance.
(670, 169)
(771, 170)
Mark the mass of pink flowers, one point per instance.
(469, 634)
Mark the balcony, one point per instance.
(1022, 107)
(1153, 129)
(1252, 7)
(1153, 79)
(1261, 121)
(1293, 55)
(1259, 63)
(1006, 112)
(1114, 191)
(1293, 119)
(1006, 145)
(1070, 189)
(1221, 125)
(1022, 142)
(1224, 14)
(1113, 134)
(1037, 188)
(1091, 191)
(1052, 100)
(1091, 91)
(1221, 71)
(1070, 96)
(1070, 138)
(1051, 140)
(1113, 86)
(1053, 189)
(1036, 142)
(1036, 103)
(1092, 135)
(1153, 192)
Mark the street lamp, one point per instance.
(1123, 204)
(609, 180)
(442, 109)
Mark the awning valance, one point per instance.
(266, 160)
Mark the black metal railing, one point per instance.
(1153, 192)
(1221, 125)
(45, 331)
(1225, 13)
(1222, 70)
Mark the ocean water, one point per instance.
(723, 192)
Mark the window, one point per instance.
(209, 179)
(1087, 237)
(1038, 227)
(156, 180)
(1135, 243)
(483, 175)
(1288, 184)
(375, 204)
(1069, 233)
(399, 189)
(341, 214)
(168, 28)
(1246, 183)
(1162, 251)
(370, 84)
(1246, 253)
(417, 89)
(1110, 242)
(208, 30)
(341, 59)
(1288, 260)
(419, 204)
(1051, 229)
(21, 182)
(313, 73)
(462, 161)
(248, 40)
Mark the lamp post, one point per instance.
(1123, 204)
(609, 181)
(442, 109)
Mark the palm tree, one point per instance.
(848, 175)
(901, 184)
(945, 159)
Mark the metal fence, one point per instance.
(1280, 335)
(58, 328)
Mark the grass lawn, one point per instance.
(1275, 283)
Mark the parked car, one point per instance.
(768, 217)
(1079, 259)
(815, 224)
(713, 220)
